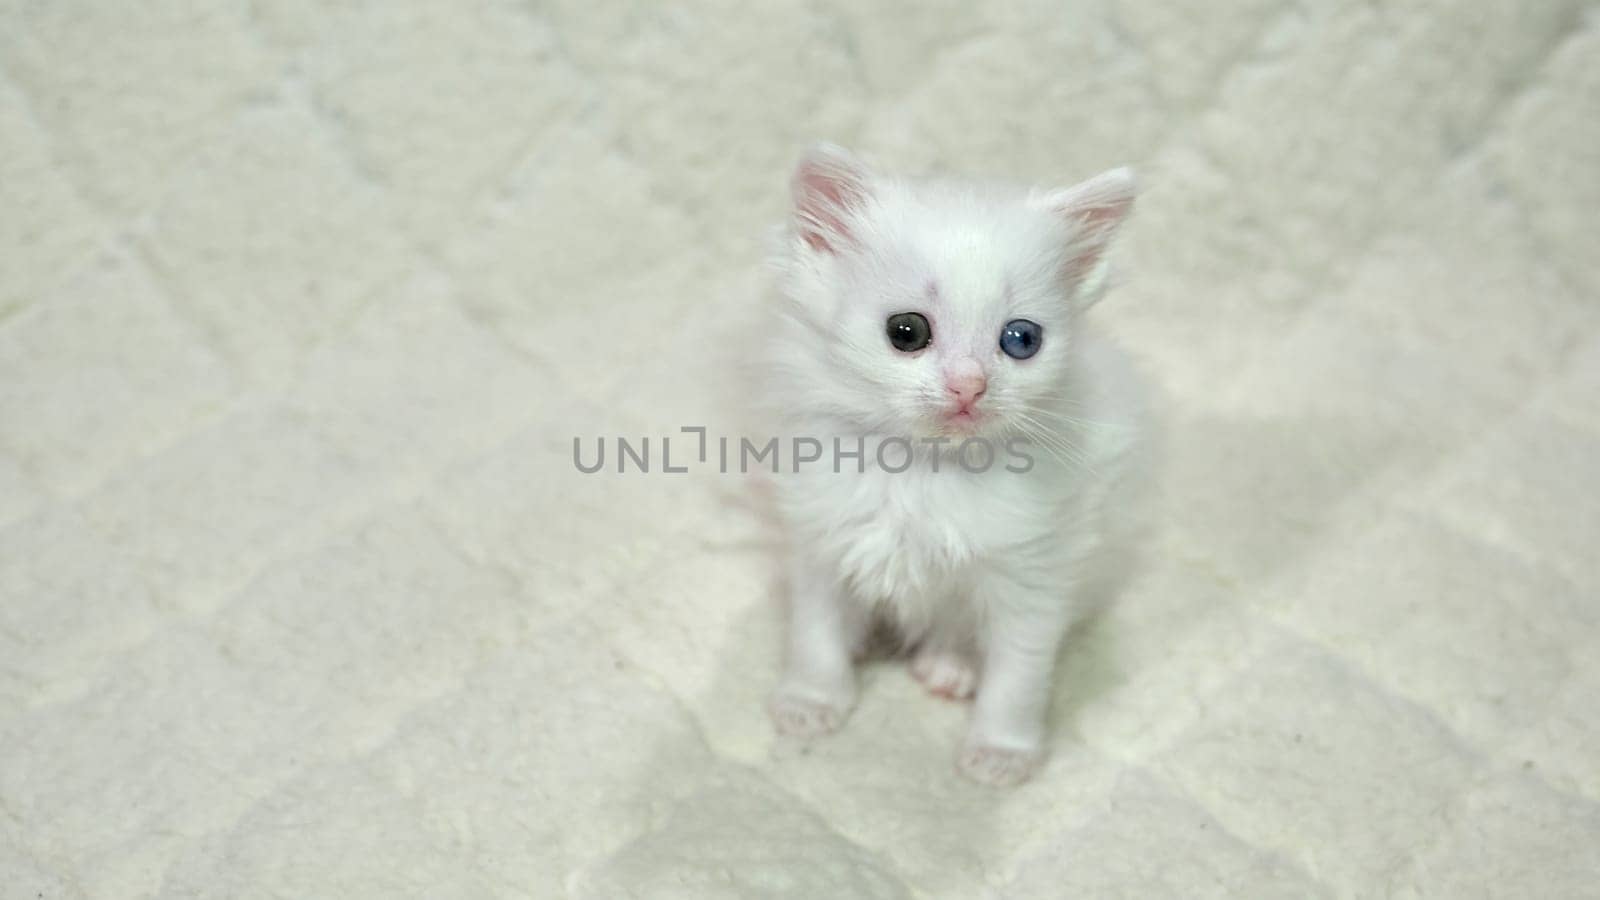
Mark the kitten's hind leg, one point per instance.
(818, 687)
(947, 673)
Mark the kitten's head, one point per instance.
(939, 309)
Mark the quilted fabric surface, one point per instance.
(302, 305)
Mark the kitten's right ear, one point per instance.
(829, 189)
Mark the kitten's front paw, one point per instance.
(999, 766)
(945, 674)
(801, 714)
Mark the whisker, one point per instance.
(1070, 419)
(1060, 446)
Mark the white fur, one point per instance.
(975, 572)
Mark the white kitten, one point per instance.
(915, 312)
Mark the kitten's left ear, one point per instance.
(1093, 210)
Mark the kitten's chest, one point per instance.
(905, 538)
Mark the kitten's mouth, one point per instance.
(965, 420)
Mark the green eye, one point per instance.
(909, 332)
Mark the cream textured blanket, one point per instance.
(301, 306)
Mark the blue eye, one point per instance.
(1021, 339)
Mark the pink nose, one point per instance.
(966, 382)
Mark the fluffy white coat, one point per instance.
(976, 573)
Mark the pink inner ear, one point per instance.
(821, 207)
(828, 187)
(1098, 225)
(1095, 209)
(1107, 214)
